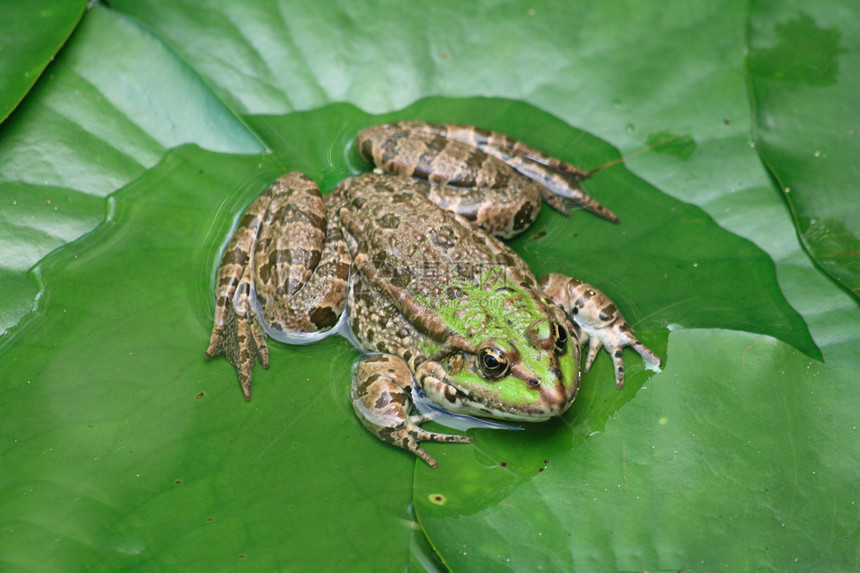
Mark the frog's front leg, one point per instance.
(382, 398)
(599, 318)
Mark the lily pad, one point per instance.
(681, 479)
(804, 68)
(142, 447)
(130, 160)
(30, 39)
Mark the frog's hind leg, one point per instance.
(599, 318)
(236, 331)
(416, 148)
(382, 398)
(284, 272)
(560, 180)
(315, 309)
(243, 342)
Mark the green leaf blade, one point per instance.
(803, 69)
(32, 33)
(131, 449)
(683, 477)
(87, 130)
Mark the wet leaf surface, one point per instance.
(31, 36)
(804, 73)
(124, 448)
(682, 478)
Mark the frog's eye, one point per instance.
(492, 363)
(559, 335)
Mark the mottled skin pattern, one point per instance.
(299, 274)
(399, 148)
(429, 287)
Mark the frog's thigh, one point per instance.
(599, 318)
(291, 238)
(382, 398)
(319, 303)
(503, 212)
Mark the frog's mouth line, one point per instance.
(553, 402)
(451, 420)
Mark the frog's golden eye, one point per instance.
(492, 363)
(559, 335)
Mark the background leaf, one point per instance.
(124, 448)
(804, 69)
(31, 35)
(93, 125)
(676, 482)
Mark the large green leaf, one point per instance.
(31, 36)
(629, 73)
(124, 448)
(134, 448)
(677, 481)
(93, 125)
(805, 76)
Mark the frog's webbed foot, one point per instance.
(560, 182)
(242, 340)
(600, 320)
(409, 435)
(381, 396)
(614, 337)
(236, 331)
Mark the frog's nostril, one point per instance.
(534, 382)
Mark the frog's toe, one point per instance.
(647, 354)
(410, 435)
(615, 339)
(594, 346)
(246, 386)
(422, 453)
(618, 367)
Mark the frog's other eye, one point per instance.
(492, 363)
(559, 335)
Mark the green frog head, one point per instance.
(512, 355)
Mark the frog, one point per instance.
(407, 261)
